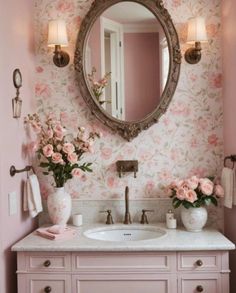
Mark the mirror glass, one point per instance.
(127, 61)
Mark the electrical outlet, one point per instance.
(12, 203)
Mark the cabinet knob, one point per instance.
(199, 288)
(47, 289)
(47, 263)
(199, 263)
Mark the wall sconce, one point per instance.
(57, 36)
(17, 102)
(196, 35)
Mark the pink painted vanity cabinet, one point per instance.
(123, 272)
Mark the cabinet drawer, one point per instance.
(205, 284)
(44, 283)
(47, 262)
(199, 261)
(123, 261)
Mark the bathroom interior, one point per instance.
(78, 61)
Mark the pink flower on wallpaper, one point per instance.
(193, 142)
(180, 109)
(45, 191)
(112, 182)
(106, 153)
(39, 69)
(201, 124)
(213, 140)
(174, 154)
(76, 22)
(215, 80)
(176, 3)
(198, 171)
(193, 77)
(165, 175)
(150, 185)
(42, 90)
(212, 30)
(65, 6)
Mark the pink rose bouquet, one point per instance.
(195, 192)
(59, 151)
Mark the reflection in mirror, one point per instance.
(127, 61)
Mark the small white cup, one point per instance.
(77, 220)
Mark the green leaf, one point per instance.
(44, 165)
(214, 201)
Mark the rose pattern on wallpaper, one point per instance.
(188, 139)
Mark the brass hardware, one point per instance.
(144, 219)
(47, 289)
(109, 217)
(199, 263)
(47, 263)
(127, 166)
(13, 170)
(199, 288)
(127, 219)
(193, 55)
(60, 58)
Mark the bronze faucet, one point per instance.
(127, 219)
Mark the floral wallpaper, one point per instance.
(187, 140)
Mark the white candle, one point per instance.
(77, 220)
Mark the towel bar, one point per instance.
(13, 170)
(232, 158)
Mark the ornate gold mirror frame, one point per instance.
(129, 130)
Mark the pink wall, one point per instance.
(95, 46)
(142, 86)
(16, 51)
(229, 62)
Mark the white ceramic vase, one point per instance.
(194, 219)
(59, 206)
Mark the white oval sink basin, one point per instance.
(126, 233)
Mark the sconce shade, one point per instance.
(196, 30)
(57, 34)
(16, 107)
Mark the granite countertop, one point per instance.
(173, 240)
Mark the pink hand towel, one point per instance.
(67, 234)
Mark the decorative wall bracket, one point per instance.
(127, 166)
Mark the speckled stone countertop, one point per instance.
(173, 240)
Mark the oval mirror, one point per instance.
(128, 60)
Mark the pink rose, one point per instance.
(68, 148)
(219, 191)
(181, 193)
(191, 196)
(76, 172)
(206, 186)
(72, 158)
(57, 158)
(59, 135)
(48, 150)
(193, 182)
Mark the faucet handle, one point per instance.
(109, 217)
(144, 219)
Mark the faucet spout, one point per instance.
(127, 219)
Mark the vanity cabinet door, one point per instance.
(200, 283)
(42, 283)
(128, 284)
